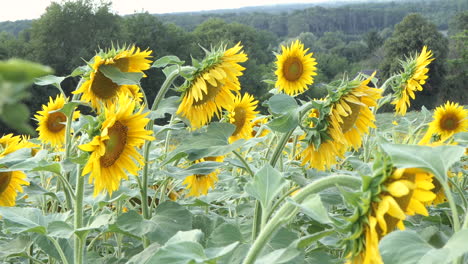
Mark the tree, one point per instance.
(409, 37)
(373, 40)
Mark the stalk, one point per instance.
(78, 217)
(288, 210)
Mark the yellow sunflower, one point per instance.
(241, 114)
(258, 126)
(414, 76)
(394, 194)
(351, 116)
(11, 181)
(114, 151)
(295, 68)
(212, 86)
(449, 119)
(199, 184)
(52, 123)
(98, 88)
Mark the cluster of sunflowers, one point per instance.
(114, 138)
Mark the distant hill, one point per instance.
(15, 27)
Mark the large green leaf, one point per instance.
(167, 106)
(434, 159)
(453, 249)
(266, 185)
(119, 77)
(283, 255)
(285, 111)
(313, 207)
(225, 234)
(166, 60)
(168, 219)
(203, 168)
(403, 247)
(50, 80)
(14, 246)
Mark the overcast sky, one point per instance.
(31, 9)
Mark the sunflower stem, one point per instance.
(279, 148)
(453, 206)
(59, 250)
(78, 217)
(288, 210)
(244, 162)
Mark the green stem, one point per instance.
(59, 249)
(78, 217)
(246, 165)
(257, 220)
(453, 206)
(281, 199)
(279, 148)
(288, 210)
(146, 149)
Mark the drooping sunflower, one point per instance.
(448, 120)
(99, 89)
(351, 117)
(413, 77)
(258, 127)
(199, 184)
(114, 150)
(11, 181)
(211, 87)
(241, 114)
(295, 69)
(52, 123)
(387, 198)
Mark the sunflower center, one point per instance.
(239, 119)
(5, 178)
(348, 121)
(55, 121)
(103, 87)
(115, 145)
(293, 69)
(449, 122)
(212, 92)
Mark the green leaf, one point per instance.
(17, 70)
(46, 245)
(308, 240)
(166, 60)
(202, 168)
(145, 255)
(119, 77)
(23, 219)
(17, 116)
(225, 234)
(409, 245)
(170, 69)
(453, 249)
(14, 246)
(50, 80)
(266, 185)
(69, 107)
(313, 207)
(194, 235)
(169, 218)
(79, 71)
(434, 159)
(284, 255)
(167, 106)
(284, 123)
(184, 252)
(60, 229)
(282, 103)
(215, 253)
(209, 143)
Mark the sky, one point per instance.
(31, 9)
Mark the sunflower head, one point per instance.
(51, 122)
(350, 114)
(384, 202)
(100, 90)
(199, 184)
(11, 182)
(295, 69)
(114, 150)
(413, 77)
(259, 128)
(210, 88)
(241, 114)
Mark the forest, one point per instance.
(345, 40)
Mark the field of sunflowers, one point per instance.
(202, 177)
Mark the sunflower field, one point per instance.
(203, 177)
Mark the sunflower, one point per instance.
(98, 88)
(241, 113)
(449, 119)
(199, 184)
(258, 126)
(11, 181)
(211, 87)
(351, 117)
(114, 151)
(415, 75)
(52, 122)
(295, 68)
(386, 200)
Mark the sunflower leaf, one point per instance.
(409, 245)
(119, 77)
(50, 80)
(266, 184)
(166, 60)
